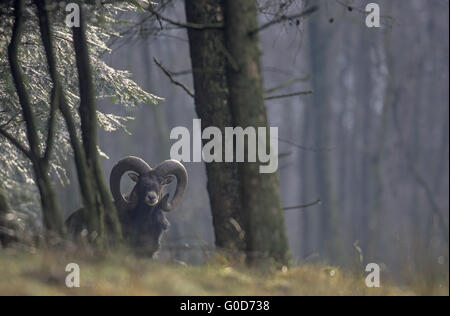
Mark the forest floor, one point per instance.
(44, 274)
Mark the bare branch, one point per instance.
(182, 73)
(289, 95)
(302, 206)
(420, 180)
(282, 18)
(16, 143)
(54, 106)
(313, 149)
(10, 120)
(194, 26)
(172, 79)
(19, 81)
(287, 84)
(387, 21)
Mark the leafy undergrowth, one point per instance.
(44, 274)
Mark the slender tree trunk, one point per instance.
(85, 179)
(53, 221)
(377, 172)
(4, 205)
(212, 107)
(262, 213)
(305, 176)
(343, 161)
(364, 88)
(330, 242)
(4, 209)
(88, 115)
(84, 176)
(417, 243)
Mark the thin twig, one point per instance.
(289, 95)
(313, 149)
(420, 180)
(16, 143)
(172, 79)
(287, 84)
(282, 18)
(390, 20)
(302, 206)
(194, 26)
(10, 120)
(181, 73)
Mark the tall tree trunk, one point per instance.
(262, 213)
(364, 88)
(84, 176)
(344, 171)
(212, 107)
(52, 216)
(4, 209)
(305, 176)
(321, 110)
(88, 115)
(4, 205)
(377, 161)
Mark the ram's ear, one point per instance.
(134, 177)
(167, 180)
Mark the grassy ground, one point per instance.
(44, 274)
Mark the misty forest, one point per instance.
(91, 93)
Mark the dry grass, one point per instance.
(44, 274)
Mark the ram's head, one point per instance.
(149, 183)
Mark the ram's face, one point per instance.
(149, 187)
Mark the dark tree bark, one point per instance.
(4, 209)
(53, 221)
(4, 206)
(88, 115)
(84, 174)
(262, 213)
(212, 101)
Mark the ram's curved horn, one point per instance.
(127, 164)
(173, 167)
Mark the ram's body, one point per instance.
(141, 213)
(143, 228)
